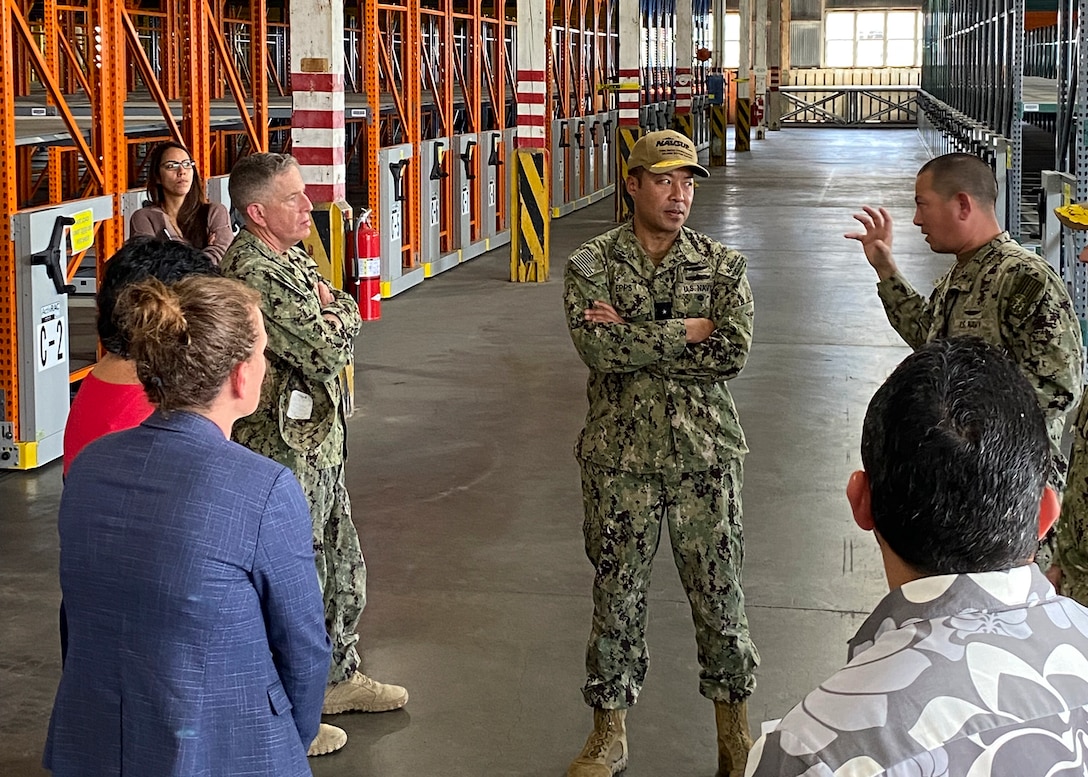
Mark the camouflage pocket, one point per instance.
(306, 415)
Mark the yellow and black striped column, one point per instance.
(684, 124)
(627, 137)
(719, 128)
(742, 138)
(531, 225)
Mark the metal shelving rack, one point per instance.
(113, 80)
(972, 85)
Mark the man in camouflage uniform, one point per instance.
(1070, 570)
(662, 315)
(996, 290)
(300, 420)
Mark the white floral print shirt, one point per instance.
(955, 675)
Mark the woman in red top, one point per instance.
(111, 398)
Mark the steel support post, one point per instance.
(744, 71)
(1016, 135)
(531, 215)
(195, 101)
(108, 131)
(1080, 287)
(684, 56)
(372, 44)
(258, 48)
(628, 130)
(9, 377)
(759, 40)
(775, 63)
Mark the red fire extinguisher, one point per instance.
(368, 268)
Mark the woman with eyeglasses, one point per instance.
(176, 208)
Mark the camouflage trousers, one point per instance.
(623, 516)
(1073, 523)
(341, 571)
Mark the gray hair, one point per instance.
(252, 175)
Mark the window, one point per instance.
(731, 57)
(873, 39)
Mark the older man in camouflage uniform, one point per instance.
(300, 421)
(662, 315)
(996, 290)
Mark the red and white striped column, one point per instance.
(532, 88)
(630, 40)
(534, 26)
(317, 85)
(683, 91)
(630, 97)
(684, 55)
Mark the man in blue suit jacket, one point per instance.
(197, 636)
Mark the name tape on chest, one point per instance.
(687, 288)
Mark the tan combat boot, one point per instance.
(329, 739)
(734, 741)
(605, 752)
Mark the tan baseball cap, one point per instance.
(665, 150)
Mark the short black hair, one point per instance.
(955, 173)
(957, 454)
(142, 257)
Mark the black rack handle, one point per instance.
(50, 258)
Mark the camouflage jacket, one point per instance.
(1012, 298)
(656, 403)
(299, 421)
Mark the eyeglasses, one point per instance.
(188, 164)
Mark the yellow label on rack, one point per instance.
(81, 235)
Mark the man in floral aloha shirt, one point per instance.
(972, 664)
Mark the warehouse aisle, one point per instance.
(467, 495)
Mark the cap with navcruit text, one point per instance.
(664, 151)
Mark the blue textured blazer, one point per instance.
(197, 641)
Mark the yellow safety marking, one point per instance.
(427, 270)
(684, 125)
(529, 243)
(624, 86)
(719, 125)
(627, 136)
(326, 241)
(742, 137)
(28, 454)
(387, 289)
